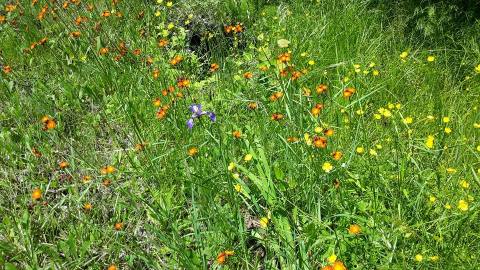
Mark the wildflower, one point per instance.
(284, 57)
(103, 51)
(354, 229)
(320, 142)
(329, 132)
(283, 43)
(418, 257)
(183, 83)
(464, 184)
(248, 157)
(36, 194)
(176, 60)
(448, 206)
(264, 222)
(87, 206)
(252, 105)
(162, 43)
(348, 92)
(10, 7)
(236, 176)
(118, 226)
(372, 152)
(292, 139)
(63, 165)
(222, 257)
(106, 182)
(430, 141)
(327, 167)
(237, 134)
(48, 123)
(360, 150)
(156, 73)
(375, 72)
(7, 69)
(36, 153)
(451, 170)
(446, 119)
(248, 75)
(432, 199)
(462, 205)
(317, 109)
(408, 120)
(231, 166)
(197, 112)
(109, 169)
(214, 67)
(477, 69)
(86, 179)
(275, 96)
(337, 155)
(112, 267)
(277, 116)
(192, 151)
(338, 265)
(75, 34)
(434, 258)
(106, 13)
(332, 258)
(431, 58)
(2, 19)
(237, 187)
(404, 55)
(311, 62)
(322, 88)
(448, 130)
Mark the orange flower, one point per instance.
(87, 206)
(140, 146)
(292, 139)
(37, 194)
(252, 105)
(275, 96)
(118, 226)
(63, 165)
(337, 155)
(41, 14)
(86, 179)
(106, 182)
(103, 51)
(283, 72)
(248, 75)
(214, 67)
(338, 265)
(322, 88)
(79, 20)
(263, 68)
(112, 267)
(277, 116)
(149, 61)
(183, 83)
(284, 57)
(36, 153)
(175, 60)
(48, 123)
(161, 113)
(109, 169)
(329, 132)
(162, 43)
(106, 13)
(43, 41)
(317, 109)
(237, 134)
(192, 151)
(7, 69)
(75, 34)
(238, 28)
(296, 75)
(137, 52)
(228, 28)
(65, 5)
(328, 267)
(10, 7)
(348, 92)
(354, 229)
(320, 142)
(2, 19)
(156, 73)
(222, 256)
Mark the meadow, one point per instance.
(239, 134)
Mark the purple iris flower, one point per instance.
(197, 112)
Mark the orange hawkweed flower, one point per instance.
(214, 67)
(183, 83)
(348, 92)
(284, 57)
(228, 28)
(320, 142)
(10, 7)
(2, 19)
(248, 75)
(112, 267)
(36, 153)
(337, 155)
(118, 226)
(322, 88)
(161, 113)
(106, 13)
(283, 72)
(103, 51)
(7, 69)
(328, 132)
(162, 43)
(328, 267)
(252, 105)
(87, 206)
(277, 116)
(137, 52)
(109, 169)
(222, 256)
(192, 151)
(41, 14)
(296, 75)
(156, 73)
(65, 5)
(354, 229)
(317, 109)
(43, 41)
(275, 96)
(37, 194)
(338, 265)
(48, 123)
(63, 165)
(86, 179)
(106, 182)
(237, 134)
(176, 60)
(292, 139)
(75, 34)
(238, 28)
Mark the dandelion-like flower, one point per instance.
(197, 112)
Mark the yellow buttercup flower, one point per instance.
(477, 69)
(432, 199)
(430, 141)
(404, 55)
(264, 222)
(408, 120)
(418, 257)
(446, 119)
(431, 58)
(332, 258)
(327, 167)
(462, 205)
(238, 187)
(248, 157)
(360, 150)
(464, 184)
(448, 130)
(231, 166)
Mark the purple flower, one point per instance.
(197, 112)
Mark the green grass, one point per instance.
(180, 211)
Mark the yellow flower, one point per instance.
(332, 258)
(432, 199)
(311, 62)
(327, 167)
(446, 119)
(434, 258)
(404, 55)
(464, 184)
(478, 148)
(418, 257)
(264, 222)
(158, 13)
(448, 130)
(372, 152)
(451, 170)
(431, 58)
(462, 205)
(231, 166)
(377, 116)
(248, 157)
(430, 117)
(448, 206)
(169, 3)
(318, 130)
(429, 142)
(375, 72)
(236, 176)
(476, 125)
(170, 26)
(360, 150)
(307, 139)
(238, 187)
(408, 120)
(477, 69)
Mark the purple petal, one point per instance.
(212, 116)
(196, 109)
(190, 123)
